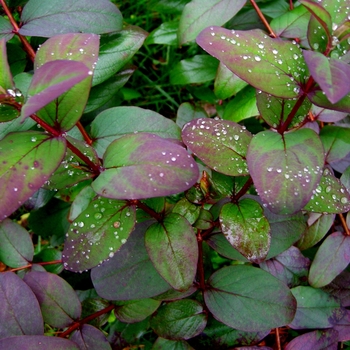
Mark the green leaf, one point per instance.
(72, 16)
(143, 166)
(116, 50)
(188, 112)
(226, 83)
(27, 159)
(187, 209)
(58, 301)
(266, 304)
(243, 106)
(167, 344)
(165, 34)
(274, 66)
(68, 108)
(172, 247)
(332, 257)
(50, 81)
(16, 248)
(135, 310)
(316, 309)
(198, 14)
(194, 70)
(318, 226)
(81, 202)
(6, 80)
(125, 278)
(285, 168)
(330, 196)
(115, 122)
(275, 110)
(98, 233)
(246, 228)
(181, 319)
(221, 145)
(5, 29)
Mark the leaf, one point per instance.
(330, 196)
(5, 29)
(325, 339)
(31, 342)
(243, 106)
(274, 66)
(318, 226)
(20, 311)
(246, 228)
(16, 248)
(343, 327)
(97, 233)
(195, 70)
(116, 122)
(331, 74)
(72, 16)
(290, 267)
(226, 83)
(89, 337)
(116, 50)
(165, 34)
(285, 169)
(181, 319)
(320, 99)
(68, 108)
(167, 344)
(129, 274)
(145, 165)
(81, 202)
(221, 145)
(326, 115)
(172, 248)
(27, 159)
(188, 112)
(316, 309)
(58, 301)
(187, 209)
(136, 310)
(266, 304)
(50, 81)
(6, 80)
(198, 14)
(275, 110)
(332, 257)
(336, 142)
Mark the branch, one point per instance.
(263, 19)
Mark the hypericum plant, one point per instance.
(207, 232)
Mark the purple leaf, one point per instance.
(291, 267)
(89, 337)
(34, 342)
(143, 166)
(340, 288)
(16, 248)
(27, 159)
(97, 233)
(271, 65)
(325, 339)
(198, 14)
(319, 98)
(332, 257)
(129, 274)
(181, 319)
(6, 29)
(343, 327)
(246, 228)
(70, 16)
(316, 309)
(220, 144)
(330, 196)
(266, 304)
(83, 48)
(58, 301)
(332, 75)
(172, 247)
(20, 311)
(327, 115)
(285, 169)
(50, 81)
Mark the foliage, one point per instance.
(167, 183)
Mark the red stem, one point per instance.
(200, 267)
(243, 190)
(263, 19)
(87, 319)
(87, 138)
(39, 263)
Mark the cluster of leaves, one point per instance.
(212, 229)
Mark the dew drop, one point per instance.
(123, 241)
(328, 189)
(98, 216)
(344, 200)
(116, 224)
(80, 224)
(33, 139)
(257, 58)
